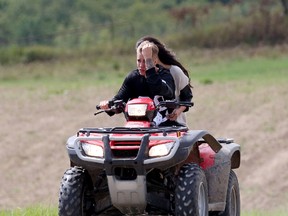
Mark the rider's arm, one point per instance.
(125, 92)
(161, 83)
(186, 95)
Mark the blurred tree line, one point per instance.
(90, 23)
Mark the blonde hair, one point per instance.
(155, 49)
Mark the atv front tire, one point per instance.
(191, 195)
(74, 199)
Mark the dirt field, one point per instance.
(35, 124)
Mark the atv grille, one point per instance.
(125, 153)
(125, 149)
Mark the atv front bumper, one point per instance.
(140, 163)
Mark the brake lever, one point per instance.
(99, 112)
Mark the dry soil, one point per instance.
(36, 122)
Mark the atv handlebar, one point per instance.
(175, 104)
(118, 106)
(113, 104)
(169, 104)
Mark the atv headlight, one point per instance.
(137, 109)
(160, 150)
(93, 150)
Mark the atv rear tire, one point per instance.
(233, 197)
(191, 195)
(74, 193)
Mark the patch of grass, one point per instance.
(68, 74)
(266, 213)
(37, 210)
(53, 211)
(259, 70)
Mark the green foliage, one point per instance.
(56, 21)
(82, 22)
(38, 53)
(17, 54)
(105, 27)
(233, 25)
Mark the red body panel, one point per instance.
(207, 156)
(137, 124)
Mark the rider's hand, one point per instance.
(173, 116)
(104, 105)
(176, 112)
(147, 50)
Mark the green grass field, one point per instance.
(31, 211)
(261, 69)
(265, 66)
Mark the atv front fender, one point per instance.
(218, 175)
(193, 136)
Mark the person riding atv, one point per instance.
(143, 169)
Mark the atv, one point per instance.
(148, 169)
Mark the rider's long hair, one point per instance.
(165, 55)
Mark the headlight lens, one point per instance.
(160, 150)
(137, 109)
(93, 150)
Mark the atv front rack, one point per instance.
(137, 137)
(130, 130)
(141, 157)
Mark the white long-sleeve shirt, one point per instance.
(181, 81)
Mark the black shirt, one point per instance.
(155, 83)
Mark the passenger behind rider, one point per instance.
(147, 80)
(180, 75)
